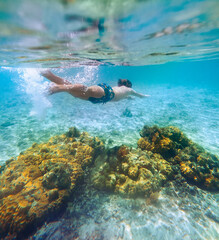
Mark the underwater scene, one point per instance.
(109, 119)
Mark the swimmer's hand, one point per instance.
(134, 93)
(144, 96)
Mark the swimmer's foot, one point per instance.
(53, 89)
(45, 73)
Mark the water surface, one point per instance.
(126, 32)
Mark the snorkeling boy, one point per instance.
(101, 93)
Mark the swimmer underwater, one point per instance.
(101, 93)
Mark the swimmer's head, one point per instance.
(124, 82)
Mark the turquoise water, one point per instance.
(185, 95)
(168, 49)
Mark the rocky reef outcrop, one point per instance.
(162, 154)
(40, 180)
(132, 172)
(196, 165)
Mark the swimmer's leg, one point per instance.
(57, 88)
(76, 90)
(53, 78)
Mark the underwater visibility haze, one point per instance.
(140, 168)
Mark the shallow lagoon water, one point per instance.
(179, 70)
(182, 94)
(185, 95)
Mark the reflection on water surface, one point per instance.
(127, 32)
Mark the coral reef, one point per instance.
(162, 154)
(39, 182)
(131, 172)
(42, 178)
(196, 165)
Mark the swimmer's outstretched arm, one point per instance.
(53, 78)
(134, 93)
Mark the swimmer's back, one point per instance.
(121, 92)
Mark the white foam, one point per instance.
(88, 76)
(35, 87)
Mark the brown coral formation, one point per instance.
(42, 178)
(196, 165)
(162, 154)
(132, 172)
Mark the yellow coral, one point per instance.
(186, 170)
(26, 195)
(144, 144)
(165, 143)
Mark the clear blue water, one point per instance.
(168, 49)
(185, 95)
